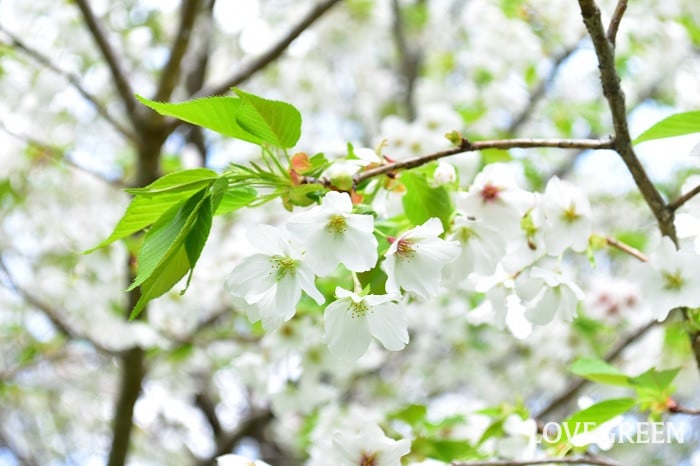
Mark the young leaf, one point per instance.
(422, 202)
(235, 198)
(654, 380)
(217, 113)
(599, 371)
(155, 199)
(179, 181)
(596, 415)
(675, 125)
(166, 236)
(173, 249)
(171, 271)
(275, 122)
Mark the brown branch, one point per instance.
(133, 372)
(615, 21)
(120, 80)
(678, 203)
(54, 315)
(170, 74)
(468, 146)
(676, 409)
(225, 443)
(613, 93)
(627, 249)
(409, 60)
(539, 92)
(572, 389)
(72, 79)
(61, 156)
(592, 460)
(252, 67)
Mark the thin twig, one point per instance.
(409, 59)
(539, 92)
(572, 389)
(252, 67)
(675, 205)
(61, 156)
(627, 249)
(54, 315)
(615, 21)
(682, 410)
(613, 93)
(120, 80)
(72, 79)
(170, 74)
(592, 460)
(468, 146)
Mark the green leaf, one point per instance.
(217, 113)
(595, 415)
(155, 199)
(675, 125)
(422, 202)
(182, 181)
(656, 381)
(166, 236)
(599, 371)
(235, 198)
(412, 414)
(275, 122)
(446, 450)
(169, 273)
(197, 237)
(172, 248)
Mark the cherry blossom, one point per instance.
(333, 235)
(237, 460)
(671, 279)
(568, 215)
(415, 259)
(548, 292)
(496, 198)
(352, 320)
(271, 282)
(369, 446)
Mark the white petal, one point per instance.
(305, 278)
(364, 223)
(267, 239)
(347, 335)
(287, 298)
(358, 251)
(337, 202)
(389, 267)
(253, 276)
(432, 227)
(543, 312)
(388, 324)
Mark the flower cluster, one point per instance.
(269, 285)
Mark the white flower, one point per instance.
(415, 259)
(672, 279)
(482, 249)
(495, 197)
(236, 460)
(444, 173)
(521, 441)
(568, 215)
(333, 235)
(369, 446)
(270, 283)
(352, 320)
(548, 292)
